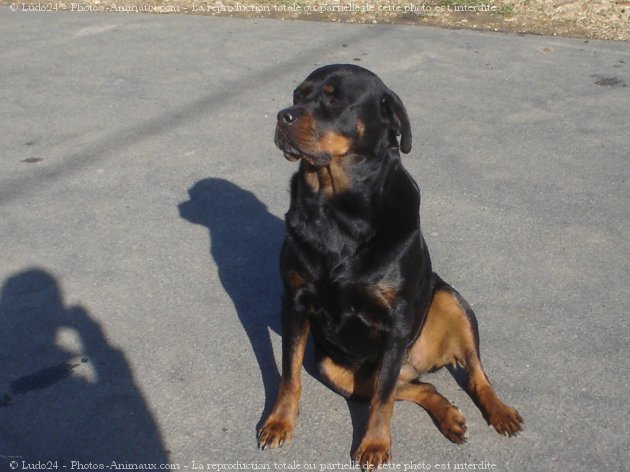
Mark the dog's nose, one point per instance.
(286, 117)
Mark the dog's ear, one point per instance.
(393, 110)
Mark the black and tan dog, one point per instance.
(356, 269)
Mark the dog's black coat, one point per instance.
(356, 270)
(366, 237)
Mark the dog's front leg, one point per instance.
(278, 428)
(375, 446)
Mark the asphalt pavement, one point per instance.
(141, 206)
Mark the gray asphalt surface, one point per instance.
(141, 204)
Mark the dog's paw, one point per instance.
(506, 420)
(372, 453)
(275, 433)
(453, 425)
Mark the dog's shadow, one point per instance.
(245, 241)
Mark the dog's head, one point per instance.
(340, 110)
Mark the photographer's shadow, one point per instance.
(66, 393)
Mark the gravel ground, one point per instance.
(596, 19)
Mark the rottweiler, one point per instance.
(356, 270)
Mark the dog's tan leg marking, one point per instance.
(279, 426)
(447, 416)
(505, 419)
(375, 446)
(345, 381)
(448, 337)
(352, 384)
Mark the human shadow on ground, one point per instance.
(66, 394)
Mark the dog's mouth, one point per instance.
(293, 153)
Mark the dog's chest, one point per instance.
(348, 321)
(334, 230)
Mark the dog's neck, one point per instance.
(329, 180)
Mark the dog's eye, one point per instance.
(334, 102)
(301, 92)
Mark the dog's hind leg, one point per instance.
(447, 417)
(356, 384)
(450, 336)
